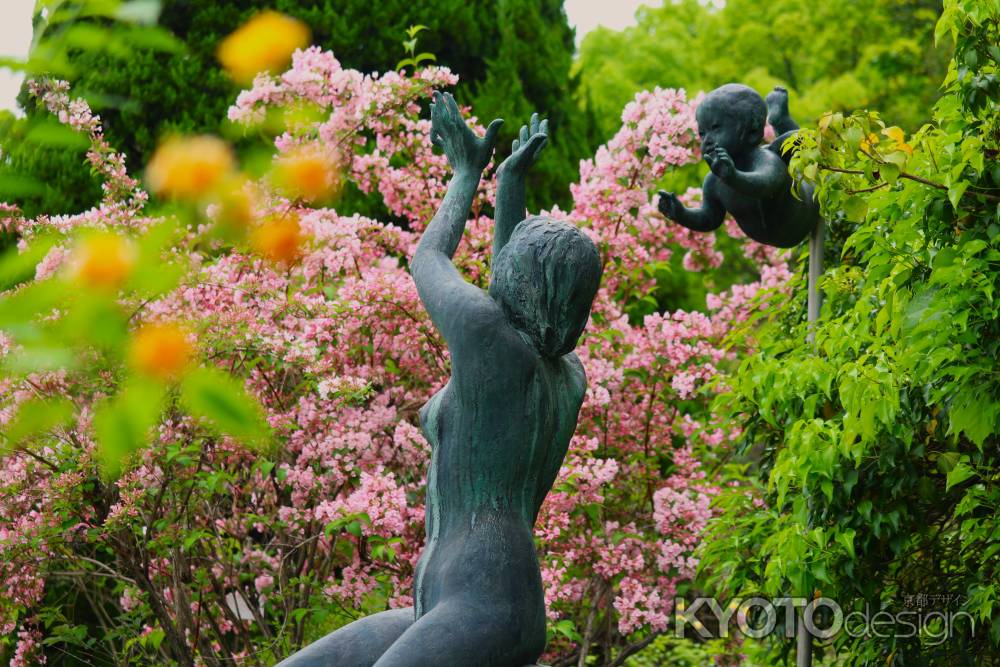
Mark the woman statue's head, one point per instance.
(545, 279)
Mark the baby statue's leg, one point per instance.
(777, 111)
(460, 633)
(358, 644)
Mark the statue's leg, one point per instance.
(358, 644)
(464, 633)
(777, 111)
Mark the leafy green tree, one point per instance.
(839, 54)
(513, 57)
(529, 73)
(876, 448)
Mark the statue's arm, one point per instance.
(511, 209)
(705, 218)
(768, 176)
(442, 289)
(441, 238)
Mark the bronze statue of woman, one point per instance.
(498, 430)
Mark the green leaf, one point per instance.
(16, 186)
(95, 319)
(846, 539)
(959, 474)
(225, 404)
(54, 134)
(37, 416)
(41, 356)
(153, 638)
(973, 416)
(889, 172)
(123, 423)
(956, 191)
(146, 12)
(154, 38)
(412, 31)
(22, 307)
(947, 461)
(18, 267)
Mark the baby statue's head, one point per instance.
(731, 117)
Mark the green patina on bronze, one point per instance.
(500, 427)
(748, 180)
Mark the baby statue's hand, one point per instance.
(721, 164)
(669, 204)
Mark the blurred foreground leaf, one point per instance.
(122, 423)
(36, 416)
(223, 401)
(17, 267)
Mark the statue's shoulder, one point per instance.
(481, 316)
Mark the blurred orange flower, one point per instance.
(103, 261)
(162, 351)
(279, 240)
(307, 174)
(265, 43)
(190, 168)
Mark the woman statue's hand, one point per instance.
(527, 147)
(465, 151)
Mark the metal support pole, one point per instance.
(815, 270)
(803, 653)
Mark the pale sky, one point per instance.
(615, 14)
(15, 30)
(15, 38)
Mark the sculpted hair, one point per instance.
(741, 102)
(545, 279)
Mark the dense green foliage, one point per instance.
(834, 55)
(877, 449)
(145, 92)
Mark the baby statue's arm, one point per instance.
(707, 217)
(766, 176)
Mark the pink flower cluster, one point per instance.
(341, 355)
(122, 197)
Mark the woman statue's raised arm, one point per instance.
(442, 289)
(511, 210)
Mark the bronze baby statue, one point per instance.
(748, 179)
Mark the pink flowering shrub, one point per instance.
(207, 552)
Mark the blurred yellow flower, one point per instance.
(234, 205)
(279, 240)
(162, 351)
(265, 43)
(190, 168)
(897, 135)
(307, 174)
(103, 261)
